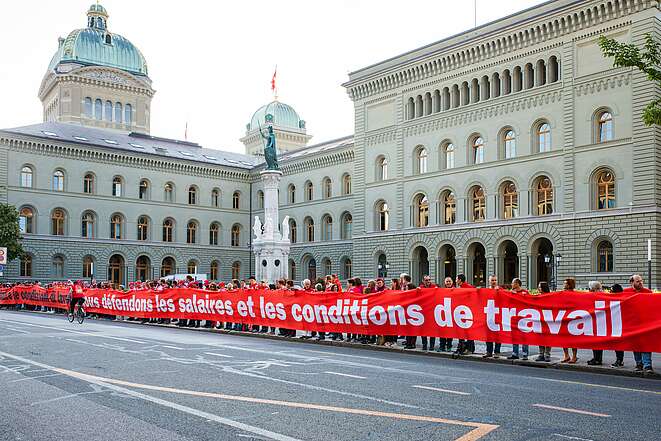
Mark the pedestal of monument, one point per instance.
(271, 247)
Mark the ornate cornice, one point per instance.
(599, 85)
(101, 76)
(512, 38)
(381, 137)
(318, 161)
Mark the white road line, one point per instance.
(218, 355)
(346, 375)
(629, 389)
(17, 330)
(72, 331)
(173, 347)
(566, 409)
(456, 392)
(572, 437)
(189, 410)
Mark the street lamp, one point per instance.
(558, 258)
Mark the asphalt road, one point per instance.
(110, 380)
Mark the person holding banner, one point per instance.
(643, 359)
(518, 289)
(427, 283)
(464, 346)
(493, 284)
(544, 351)
(445, 344)
(569, 285)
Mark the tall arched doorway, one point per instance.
(168, 266)
(116, 269)
(448, 258)
(311, 268)
(143, 268)
(382, 266)
(477, 257)
(420, 264)
(508, 262)
(542, 265)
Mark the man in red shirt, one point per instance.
(643, 359)
(518, 289)
(637, 285)
(461, 282)
(465, 346)
(493, 284)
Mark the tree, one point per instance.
(10, 233)
(645, 59)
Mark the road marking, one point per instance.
(35, 378)
(572, 437)
(72, 331)
(480, 429)
(173, 347)
(17, 330)
(346, 375)
(442, 390)
(629, 389)
(566, 409)
(218, 355)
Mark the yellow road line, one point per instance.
(567, 409)
(480, 429)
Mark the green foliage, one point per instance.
(646, 59)
(10, 234)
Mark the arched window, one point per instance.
(260, 199)
(192, 195)
(236, 235)
(107, 111)
(58, 180)
(382, 216)
(143, 268)
(312, 269)
(25, 266)
(26, 177)
(88, 266)
(191, 268)
(449, 207)
(191, 232)
(143, 228)
(477, 150)
(88, 183)
(214, 233)
(143, 189)
(346, 184)
(510, 200)
(309, 229)
(421, 211)
(543, 137)
(89, 112)
(509, 144)
(116, 226)
(236, 270)
(26, 220)
(236, 200)
(478, 204)
(347, 268)
(168, 195)
(292, 269)
(98, 109)
(327, 228)
(346, 227)
(128, 114)
(87, 224)
(168, 266)
(291, 194)
(292, 231)
(543, 195)
(118, 113)
(215, 198)
(213, 273)
(168, 230)
(448, 155)
(58, 219)
(327, 266)
(605, 181)
(58, 267)
(117, 186)
(420, 160)
(604, 123)
(309, 191)
(605, 257)
(327, 188)
(381, 168)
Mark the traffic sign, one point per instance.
(3, 256)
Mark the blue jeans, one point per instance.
(644, 358)
(524, 352)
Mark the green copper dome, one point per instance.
(96, 46)
(278, 114)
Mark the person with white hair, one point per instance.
(597, 354)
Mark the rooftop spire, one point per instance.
(97, 17)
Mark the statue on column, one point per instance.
(270, 152)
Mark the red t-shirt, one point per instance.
(522, 291)
(466, 285)
(431, 285)
(77, 292)
(642, 290)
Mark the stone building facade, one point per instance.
(514, 149)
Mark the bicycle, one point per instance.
(77, 314)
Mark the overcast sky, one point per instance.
(211, 61)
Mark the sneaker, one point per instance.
(540, 358)
(487, 355)
(513, 357)
(639, 367)
(617, 364)
(594, 362)
(648, 369)
(524, 358)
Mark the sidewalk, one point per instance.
(480, 348)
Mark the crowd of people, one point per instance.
(331, 283)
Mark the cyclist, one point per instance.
(77, 296)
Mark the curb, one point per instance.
(416, 352)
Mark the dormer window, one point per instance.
(108, 39)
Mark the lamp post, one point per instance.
(649, 263)
(547, 262)
(558, 258)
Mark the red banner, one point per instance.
(627, 321)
